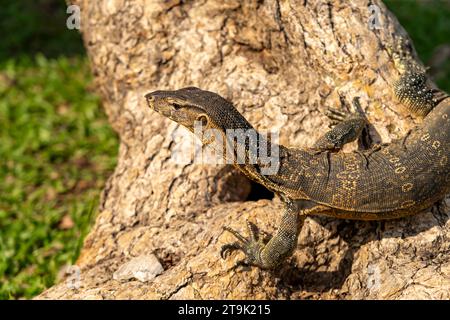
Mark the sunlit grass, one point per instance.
(56, 151)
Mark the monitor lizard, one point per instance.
(387, 181)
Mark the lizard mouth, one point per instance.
(155, 103)
(151, 100)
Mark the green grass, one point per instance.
(56, 146)
(56, 151)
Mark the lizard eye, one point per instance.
(176, 106)
(203, 119)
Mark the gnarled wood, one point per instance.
(281, 63)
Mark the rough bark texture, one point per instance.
(281, 63)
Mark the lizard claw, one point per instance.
(251, 246)
(228, 248)
(336, 116)
(346, 112)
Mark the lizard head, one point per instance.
(180, 106)
(191, 106)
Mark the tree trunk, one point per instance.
(281, 63)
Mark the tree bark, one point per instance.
(282, 63)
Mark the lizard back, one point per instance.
(409, 173)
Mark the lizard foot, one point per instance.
(346, 127)
(270, 253)
(251, 246)
(337, 116)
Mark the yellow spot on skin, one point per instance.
(407, 203)
(436, 144)
(394, 159)
(353, 175)
(425, 137)
(407, 187)
(349, 185)
(400, 170)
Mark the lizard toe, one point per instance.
(230, 247)
(251, 246)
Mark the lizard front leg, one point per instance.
(347, 128)
(281, 246)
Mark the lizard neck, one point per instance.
(256, 154)
(282, 170)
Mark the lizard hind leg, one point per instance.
(271, 254)
(347, 128)
(412, 88)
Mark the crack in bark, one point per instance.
(180, 286)
(280, 22)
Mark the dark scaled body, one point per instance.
(385, 182)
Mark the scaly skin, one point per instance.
(390, 181)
